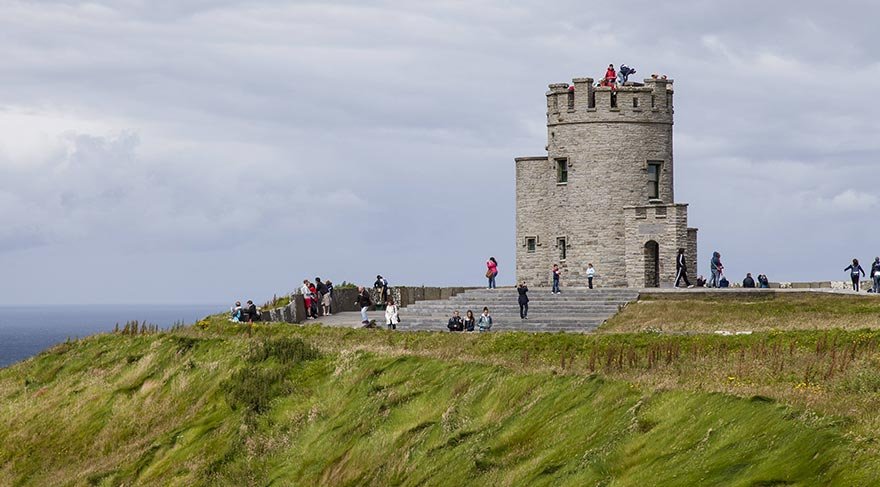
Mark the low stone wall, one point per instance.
(345, 300)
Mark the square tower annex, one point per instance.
(603, 194)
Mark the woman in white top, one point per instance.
(392, 318)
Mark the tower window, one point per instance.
(591, 101)
(561, 171)
(531, 244)
(571, 98)
(653, 102)
(613, 99)
(562, 245)
(635, 102)
(654, 179)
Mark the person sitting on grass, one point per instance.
(252, 314)
(236, 312)
(485, 323)
(455, 323)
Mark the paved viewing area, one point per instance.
(576, 310)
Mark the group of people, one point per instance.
(856, 273)
(469, 322)
(556, 274)
(612, 78)
(317, 297)
(364, 302)
(245, 314)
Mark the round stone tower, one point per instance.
(604, 192)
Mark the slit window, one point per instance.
(635, 102)
(613, 100)
(654, 179)
(561, 171)
(531, 244)
(653, 102)
(562, 245)
(591, 101)
(571, 99)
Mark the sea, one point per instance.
(27, 330)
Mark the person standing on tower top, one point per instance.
(625, 71)
(491, 271)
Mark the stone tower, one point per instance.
(603, 194)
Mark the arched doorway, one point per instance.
(652, 264)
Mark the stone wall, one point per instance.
(606, 150)
(664, 224)
(345, 300)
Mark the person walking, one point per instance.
(717, 268)
(485, 322)
(875, 274)
(491, 271)
(556, 274)
(392, 314)
(523, 299)
(469, 321)
(855, 273)
(455, 323)
(681, 269)
(591, 273)
(364, 302)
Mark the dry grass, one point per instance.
(732, 312)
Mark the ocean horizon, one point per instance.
(26, 330)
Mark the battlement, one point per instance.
(583, 102)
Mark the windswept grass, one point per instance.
(277, 404)
(685, 312)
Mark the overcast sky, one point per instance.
(205, 151)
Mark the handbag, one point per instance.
(489, 273)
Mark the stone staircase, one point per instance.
(575, 310)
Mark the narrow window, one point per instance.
(667, 101)
(571, 98)
(654, 179)
(591, 102)
(562, 245)
(635, 102)
(531, 244)
(653, 102)
(561, 171)
(613, 100)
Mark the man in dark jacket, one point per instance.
(717, 270)
(875, 274)
(364, 302)
(455, 323)
(381, 285)
(523, 300)
(681, 269)
(748, 282)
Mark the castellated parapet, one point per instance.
(604, 192)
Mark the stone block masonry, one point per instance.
(604, 192)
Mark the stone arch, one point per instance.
(652, 264)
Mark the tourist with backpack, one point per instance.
(523, 300)
(381, 286)
(855, 273)
(485, 322)
(491, 271)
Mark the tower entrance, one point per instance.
(652, 264)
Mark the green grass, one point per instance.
(684, 312)
(275, 404)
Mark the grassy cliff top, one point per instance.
(281, 404)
